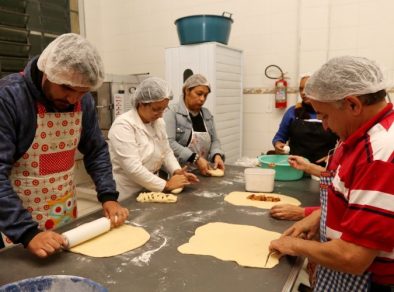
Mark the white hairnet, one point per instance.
(196, 80)
(150, 90)
(345, 76)
(70, 59)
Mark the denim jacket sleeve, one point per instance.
(96, 155)
(178, 129)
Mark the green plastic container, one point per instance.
(283, 170)
(204, 28)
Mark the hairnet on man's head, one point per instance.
(70, 59)
(150, 90)
(345, 76)
(196, 80)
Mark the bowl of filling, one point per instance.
(279, 163)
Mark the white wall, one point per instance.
(297, 35)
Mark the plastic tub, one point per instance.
(204, 28)
(54, 283)
(259, 180)
(282, 167)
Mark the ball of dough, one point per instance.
(177, 191)
(286, 149)
(216, 172)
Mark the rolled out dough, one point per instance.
(116, 241)
(240, 199)
(245, 244)
(216, 172)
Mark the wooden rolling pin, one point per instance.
(86, 232)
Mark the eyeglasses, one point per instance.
(158, 110)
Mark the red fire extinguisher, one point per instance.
(280, 87)
(281, 93)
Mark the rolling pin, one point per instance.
(86, 232)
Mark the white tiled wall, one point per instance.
(297, 35)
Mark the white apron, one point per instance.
(43, 177)
(200, 142)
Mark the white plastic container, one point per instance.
(259, 179)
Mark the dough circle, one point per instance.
(116, 241)
(245, 244)
(216, 172)
(240, 199)
(177, 191)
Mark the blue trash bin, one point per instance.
(54, 283)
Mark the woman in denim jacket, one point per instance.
(191, 128)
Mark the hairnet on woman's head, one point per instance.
(70, 59)
(196, 80)
(150, 90)
(345, 76)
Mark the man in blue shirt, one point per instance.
(47, 113)
(304, 132)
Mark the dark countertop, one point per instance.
(158, 266)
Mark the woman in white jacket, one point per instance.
(139, 147)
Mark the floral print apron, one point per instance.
(43, 177)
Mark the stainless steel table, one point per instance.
(158, 266)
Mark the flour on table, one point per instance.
(156, 197)
(247, 245)
(241, 199)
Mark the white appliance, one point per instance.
(222, 66)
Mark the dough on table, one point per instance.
(114, 242)
(245, 244)
(216, 172)
(156, 197)
(241, 199)
(177, 191)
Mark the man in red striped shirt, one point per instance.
(355, 252)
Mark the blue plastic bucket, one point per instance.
(204, 28)
(283, 170)
(54, 283)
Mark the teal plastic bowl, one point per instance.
(54, 283)
(204, 28)
(283, 170)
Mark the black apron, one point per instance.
(310, 140)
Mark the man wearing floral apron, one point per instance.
(47, 115)
(355, 252)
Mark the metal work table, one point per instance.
(158, 266)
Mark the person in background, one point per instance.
(304, 132)
(139, 146)
(355, 252)
(47, 113)
(191, 128)
(292, 212)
